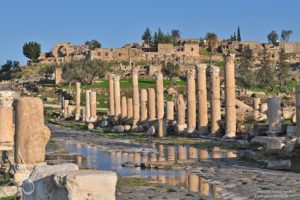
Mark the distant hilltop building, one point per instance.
(188, 51)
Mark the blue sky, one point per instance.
(116, 22)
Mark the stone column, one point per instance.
(124, 107)
(93, 106)
(66, 104)
(298, 110)
(215, 99)
(170, 110)
(129, 108)
(274, 115)
(136, 98)
(144, 110)
(256, 103)
(161, 128)
(58, 75)
(32, 135)
(202, 98)
(117, 94)
(78, 93)
(151, 104)
(191, 101)
(111, 94)
(159, 95)
(6, 120)
(230, 111)
(87, 105)
(180, 113)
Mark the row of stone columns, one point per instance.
(155, 99)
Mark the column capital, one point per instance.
(116, 77)
(214, 70)
(190, 74)
(135, 70)
(78, 84)
(229, 58)
(201, 67)
(158, 76)
(111, 76)
(7, 98)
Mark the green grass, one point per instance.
(7, 198)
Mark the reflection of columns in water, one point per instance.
(193, 183)
(193, 153)
(162, 179)
(145, 158)
(171, 180)
(131, 157)
(182, 152)
(79, 160)
(125, 157)
(161, 150)
(152, 157)
(203, 154)
(182, 181)
(216, 154)
(204, 187)
(216, 191)
(171, 153)
(137, 158)
(230, 154)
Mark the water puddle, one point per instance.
(129, 163)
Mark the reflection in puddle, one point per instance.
(88, 156)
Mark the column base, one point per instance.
(190, 131)
(77, 117)
(229, 135)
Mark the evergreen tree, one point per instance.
(32, 50)
(147, 36)
(239, 34)
(266, 73)
(234, 37)
(283, 69)
(246, 74)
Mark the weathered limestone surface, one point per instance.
(298, 110)
(191, 101)
(117, 94)
(180, 114)
(202, 98)
(67, 182)
(124, 107)
(111, 94)
(6, 120)
(144, 110)
(256, 103)
(78, 93)
(129, 108)
(66, 105)
(230, 110)
(151, 104)
(58, 75)
(274, 115)
(87, 105)
(135, 97)
(170, 110)
(93, 106)
(161, 128)
(32, 135)
(215, 99)
(159, 95)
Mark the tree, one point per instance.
(285, 35)
(212, 40)
(283, 69)
(147, 36)
(93, 44)
(84, 71)
(273, 37)
(246, 73)
(171, 70)
(32, 50)
(239, 34)
(176, 34)
(47, 71)
(266, 72)
(9, 65)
